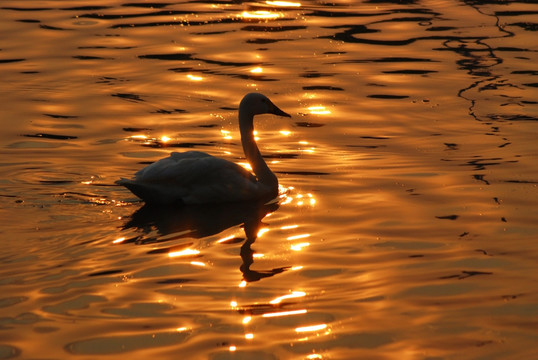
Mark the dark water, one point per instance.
(409, 225)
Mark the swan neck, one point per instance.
(252, 153)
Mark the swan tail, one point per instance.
(148, 193)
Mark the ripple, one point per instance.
(141, 310)
(265, 41)
(8, 352)
(174, 23)
(410, 72)
(26, 8)
(359, 340)
(35, 145)
(91, 57)
(271, 29)
(106, 272)
(448, 217)
(387, 96)
(81, 302)
(168, 57)
(308, 124)
(6, 61)
(323, 87)
(426, 98)
(147, 5)
(129, 97)
(57, 116)
(56, 28)
(13, 300)
(393, 60)
(242, 355)
(51, 136)
(126, 343)
(86, 8)
(128, 16)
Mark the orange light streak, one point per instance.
(184, 252)
(284, 313)
(299, 247)
(139, 137)
(262, 231)
(294, 294)
(197, 263)
(311, 328)
(226, 134)
(295, 237)
(194, 77)
(260, 14)
(319, 110)
(224, 239)
(283, 3)
(118, 240)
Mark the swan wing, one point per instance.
(194, 177)
(173, 166)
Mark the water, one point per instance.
(408, 229)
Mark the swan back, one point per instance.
(195, 177)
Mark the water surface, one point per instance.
(407, 226)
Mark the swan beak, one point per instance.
(275, 110)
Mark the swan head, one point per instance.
(256, 104)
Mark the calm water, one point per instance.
(408, 226)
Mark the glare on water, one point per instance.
(406, 222)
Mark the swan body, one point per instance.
(194, 177)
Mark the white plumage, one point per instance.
(194, 177)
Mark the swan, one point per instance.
(195, 177)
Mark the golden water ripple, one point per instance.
(406, 217)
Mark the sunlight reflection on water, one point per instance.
(408, 178)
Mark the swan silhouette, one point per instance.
(194, 177)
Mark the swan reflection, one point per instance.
(200, 221)
(250, 275)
